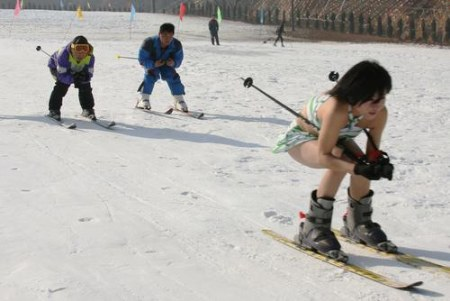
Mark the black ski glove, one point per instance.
(80, 78)
(375, 171)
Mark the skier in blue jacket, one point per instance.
(72, 64)
(159, 56)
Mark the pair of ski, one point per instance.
(196, 115)
(359, 270)
(71, 126)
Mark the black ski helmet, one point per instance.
(80, 40)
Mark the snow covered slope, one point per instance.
(170, 207)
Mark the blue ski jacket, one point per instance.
(151, 51)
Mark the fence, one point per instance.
(396, 20)
(404, 20)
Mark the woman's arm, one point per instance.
(376, 128)
(334, 117)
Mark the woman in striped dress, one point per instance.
(322, 137)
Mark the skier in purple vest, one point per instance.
(72, 64)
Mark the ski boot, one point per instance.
(55, 114)
(315, 232)
(144, 103)
(179, 100)
(89, 113)
(358, 225)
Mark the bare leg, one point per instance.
(330, 183)
(359, 187)
(306, 154)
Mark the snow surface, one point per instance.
(170, 207)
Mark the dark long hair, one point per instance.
(361, 82)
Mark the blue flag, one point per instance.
(133, 13)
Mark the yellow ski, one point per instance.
(345, 266)
(400, 256)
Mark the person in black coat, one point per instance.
(279, 32)
(214, 30)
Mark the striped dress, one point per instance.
(295, 135)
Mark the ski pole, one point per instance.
(248, 82)
(126, 57)
(39, 48)
(334, 76)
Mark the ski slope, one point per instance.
(167, 207)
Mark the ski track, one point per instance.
(201, 250)
(193, 199)
(198, 199)
(89, 172)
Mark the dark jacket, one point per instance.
(280, 29)
(213, 26)
(151, 51)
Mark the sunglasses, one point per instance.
(80, 47)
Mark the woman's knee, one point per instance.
(336, 174)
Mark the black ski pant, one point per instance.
(215, 37)
(279, 38)
(60, 90)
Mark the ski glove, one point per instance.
(375, 171)
(80, 78)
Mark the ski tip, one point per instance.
(169, 111)
(197, 115)
(413, 285)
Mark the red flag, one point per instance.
(17, 9)
(182, 10)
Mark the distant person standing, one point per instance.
(214, 30)
(279, 32)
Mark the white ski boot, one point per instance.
(179, 100)
(144, 103)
